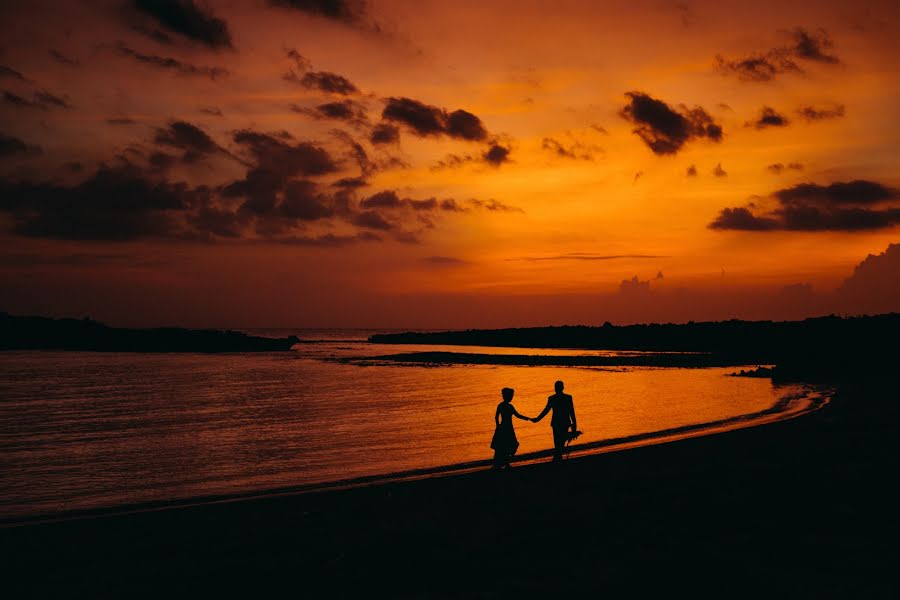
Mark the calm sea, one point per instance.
(84, 430)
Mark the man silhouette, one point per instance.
(562, 421)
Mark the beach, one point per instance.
(803, 507)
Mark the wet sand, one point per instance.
(801, 507)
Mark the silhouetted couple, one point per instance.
(562, 423)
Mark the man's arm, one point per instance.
(543, 412)
(572, 413)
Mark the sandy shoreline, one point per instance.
(811, 399)
(804, 506)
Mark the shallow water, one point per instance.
(81, 430)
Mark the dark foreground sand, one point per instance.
(803, 508)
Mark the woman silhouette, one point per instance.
(505, 443)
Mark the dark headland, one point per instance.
(809, 349)
(42, 333)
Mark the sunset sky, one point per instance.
(330, 163)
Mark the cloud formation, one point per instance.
(575, 150)
(12, 146)
(62, 58)
(41, 100)
(857, 205)
(384, 133)
(190, 139)
(769, 117)
(185, 18)
(765, 66)
(10, 73)
(113, 204)
(346, 11)
(812, 113)
(778, 168)
(342, 110)
(663, 128)
(323, 81)
(426, 120)
(173, 64)
(873, 287)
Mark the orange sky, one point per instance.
(176, 162)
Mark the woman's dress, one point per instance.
(505, 442)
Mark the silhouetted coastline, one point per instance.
(42, 333)
(819, 348)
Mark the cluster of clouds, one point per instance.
(803, 47)
(770, 117)
(291, 192)
(858, 205)
(665, 129)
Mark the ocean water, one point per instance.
(85, 430)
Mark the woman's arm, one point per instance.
(497, 417)
(516, 413)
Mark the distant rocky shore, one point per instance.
(42, 333)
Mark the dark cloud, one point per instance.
(429, 204)
(769, 117)
(634, 287)
(343, 110)
(740, 218)
(426, 120)
(347, 11)
(778, 168)
(574, 150)
(11, 73)
(691, 171)
(874, 286)
(13, 146)
(62, 58)
(324, 81)
(463, 124)
(496, 155)
(351, 183)
(384, 133)
(186, 18)
(116, 121)
(453, 161)
(766, 66)
(600, 129)
(193, 141)
(858, 205)
(42, 100)
(587, 256)
(384, 199)
(274, 162)
(858, 191)
(719, 171)
(664, 129)
(812, 113)
(494, 206)
(300, 62)
(813, 46)
(757, 67)
(173, 64)
(356, 152)
(390, 199)
(371, 219)
(302, 201)
(114, 204)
